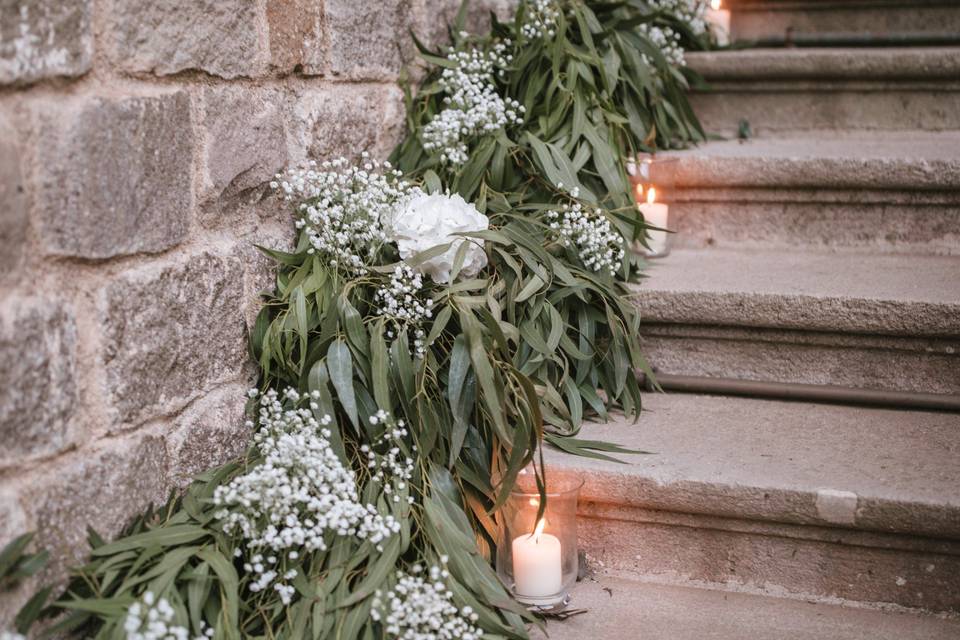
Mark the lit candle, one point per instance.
(657, 215)
(720, 19)
(537, 570)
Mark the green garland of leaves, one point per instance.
(522, 353)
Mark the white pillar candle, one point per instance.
(720, 19)
(537, 569)
(656, 214)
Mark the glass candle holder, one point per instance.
(654, 180)
(538, 560)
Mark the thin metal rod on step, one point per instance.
(806, 392)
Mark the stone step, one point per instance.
(618, 608)
(886, 322)
(822, 502)
(889, 192)
(799, 89)
(854, 21)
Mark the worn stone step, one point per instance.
(863, 21)
(618, 608)
(807, 501)
(890, 192)
(799, 89)
(865, 321)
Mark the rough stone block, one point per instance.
(171, 332)
(260, 269)
(13, 207)
(365, 40)
(115, 176)
(246, 145)
(296, 35)
(344, 120)
(103, 489)
(208, 435)
(165, 37)
(37, 388)
(432, 17)
(13, 523)
(44, 38)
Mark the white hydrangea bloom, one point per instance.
(342, 207)
(599, 245)
(473, 106)
(300, 496)
(426, 221)
(152, 619)
(421, 608)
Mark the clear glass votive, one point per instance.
(538, 560)
(654, 181)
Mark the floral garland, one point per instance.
(441, 315)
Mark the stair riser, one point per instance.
(814, 220)
(782, 107)
(768, 21)
(865, 362)
(776, 559)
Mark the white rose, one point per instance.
(426, 221)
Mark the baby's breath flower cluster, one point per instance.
(473, 106)
(404, 302)
(692, 12)
(540, 19)
(300, 495)
(421, 608)
(151, 619)
(391, 469)
(343, 207)
(402, 298)
(665, 39)
(599, 245)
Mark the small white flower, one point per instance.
(148, 619)
(342, 207)
(473, 106)
(421, 608)
(598, 244)
(300, 496)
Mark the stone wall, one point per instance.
(136, 141)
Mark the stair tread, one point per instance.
(850, 292)
(773, 460)
(621, 608)
(912, 160)
(820, 63)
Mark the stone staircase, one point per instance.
(825, 250)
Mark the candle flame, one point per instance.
(539, 530)
(639, 191)
(715, 5)
(651, 195)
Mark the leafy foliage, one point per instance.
(523, 353)
(594, 95)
